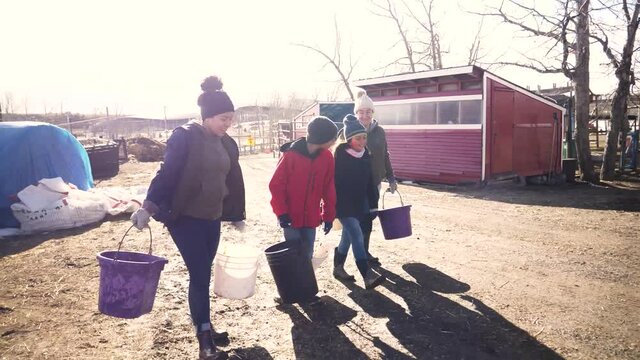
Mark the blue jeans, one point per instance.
(305, 237)
(352, 236)
(197, 240)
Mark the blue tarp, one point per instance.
(30, 151)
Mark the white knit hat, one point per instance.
(362, 102)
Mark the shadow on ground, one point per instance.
(17, 244)
(436, 327)
(315, 331)
(251, 353)
(578, 195)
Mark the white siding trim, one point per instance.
(434, 127)
(414, 76)
(429, 99)
(484, 125)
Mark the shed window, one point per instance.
(471, 112)
(428, 89)
(373, 93)
(430, 113)
(448, 112)
(425, 113)
(408, 91)
(471, 85)
(449, 87)
(396, 114)
(390, 92)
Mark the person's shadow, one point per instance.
(254, 353)
(437, 327)
(318, 336)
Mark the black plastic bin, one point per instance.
(104, 160)
(569, 167)
(292, 272)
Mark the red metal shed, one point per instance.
(465, 124)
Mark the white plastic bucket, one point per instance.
(320, 255)
(235, 270)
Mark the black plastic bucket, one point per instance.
(292, 272)
(569, 167)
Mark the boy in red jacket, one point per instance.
(303, 193)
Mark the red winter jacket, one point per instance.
(300, 182)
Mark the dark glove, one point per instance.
(327, 227)
(373, 213)
(285, 221)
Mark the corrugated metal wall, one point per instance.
(443, 156)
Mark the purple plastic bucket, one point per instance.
(128, 282)
(395, 222)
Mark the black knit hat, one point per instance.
(213, 100)
(321, 130)
(352, 127)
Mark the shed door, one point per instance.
(502, 131)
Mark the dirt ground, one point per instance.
(500, 272)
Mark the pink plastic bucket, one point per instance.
(395, 222)
(128, 281)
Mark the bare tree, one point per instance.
(426, 21)
(344, 72)
(581, 84)
(295, 103)
(388, 10)
(622, 65)
(566, 33)
(8, 103)
(476, 45)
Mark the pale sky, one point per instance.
(141, 56)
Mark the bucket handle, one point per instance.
(125, 235)
(388, 191)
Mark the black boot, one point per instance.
(371, 279)
(338, 267)
(219, 336)
(208, 349)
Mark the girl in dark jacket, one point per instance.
(357, 199)
(199, 185)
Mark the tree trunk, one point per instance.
(619, 121)
(618, 118)
(581, 83)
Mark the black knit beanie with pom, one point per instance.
(213, 100)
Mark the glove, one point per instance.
(373, 213)
(285, 221)
(327, 227)
(393, 186)
(140, 218)
(239, 225)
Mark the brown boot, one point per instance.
(208, 349)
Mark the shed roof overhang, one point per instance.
(461, 73)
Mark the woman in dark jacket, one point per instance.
(357, 199)
(199, 185)
(380, 161)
